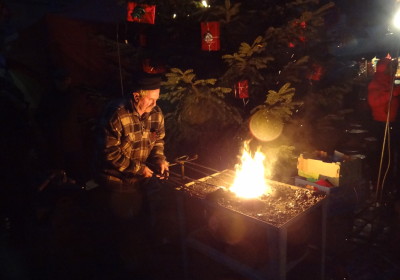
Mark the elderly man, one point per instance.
(130, 161)
(132, 146)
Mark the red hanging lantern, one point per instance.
(241, 89)
(210, 36)
(141, 13)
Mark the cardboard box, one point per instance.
(338, 173)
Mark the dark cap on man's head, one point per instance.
(146, 81)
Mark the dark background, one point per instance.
(44, 39)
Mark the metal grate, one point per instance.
(283, 204)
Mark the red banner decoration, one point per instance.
(242, 89)
(141, 13)
(210, 36)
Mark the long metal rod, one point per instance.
(202, 166)
(208, 174)
(190, 180)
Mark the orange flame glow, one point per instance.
(250, 175)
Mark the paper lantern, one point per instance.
(141, 13)
(242, 89)
(210, 36)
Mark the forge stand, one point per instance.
(256, 239)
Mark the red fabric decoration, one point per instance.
(383, 64)
(141, 13)
(380, 89)
(316, 73)
(210, 36)
(242, 89)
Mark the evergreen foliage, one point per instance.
(273, 46)
(280, 103)
(200, 111)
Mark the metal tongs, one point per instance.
(181, 161)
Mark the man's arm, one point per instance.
(113, 153)
(157, 153)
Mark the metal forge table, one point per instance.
(253, 238)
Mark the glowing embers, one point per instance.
(250, 175)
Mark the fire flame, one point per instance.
(250, 175)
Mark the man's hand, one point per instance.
(164, 169)
(147, 172)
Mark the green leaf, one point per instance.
(176, 70)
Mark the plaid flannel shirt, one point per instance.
(128, 141)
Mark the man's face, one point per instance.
(147, 100)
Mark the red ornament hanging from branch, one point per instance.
(141, 13)
(316, 72)
(210, 36)
(241, 89)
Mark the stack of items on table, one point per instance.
(338, 175)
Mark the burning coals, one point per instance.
(283, 203)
